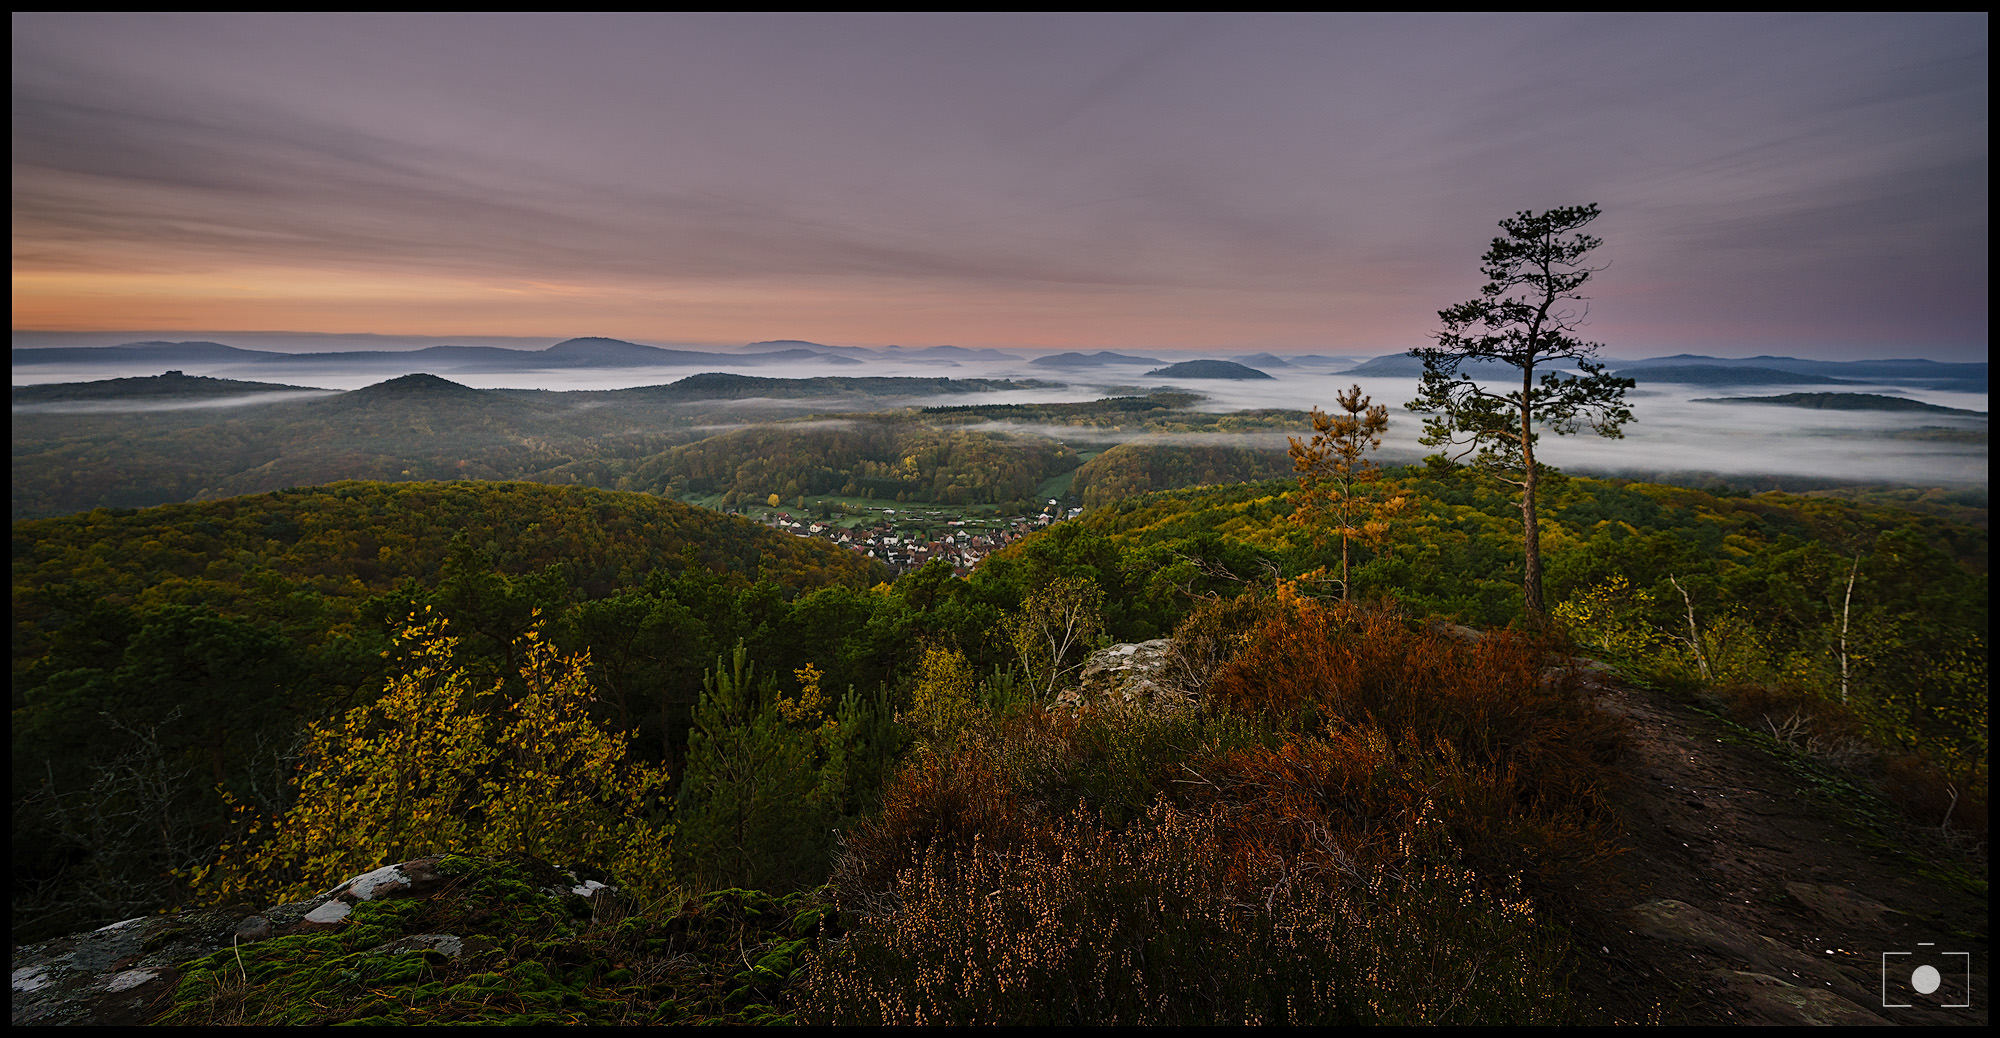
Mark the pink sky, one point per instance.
(1806, 185)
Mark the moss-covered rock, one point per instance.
(449, 939)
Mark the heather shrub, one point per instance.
(1154, 925)
(1004, 779)
(1214, 633)
(936, 805)
(1366, 821)
(1388, 720)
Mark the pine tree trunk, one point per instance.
(1343, 565)
(1531, 571)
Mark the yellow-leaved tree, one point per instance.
(943, 706)
(439, 765)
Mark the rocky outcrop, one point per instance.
(1775, 984)
(1131, 678)
(454, 939)
(116, 974)
(123, 973)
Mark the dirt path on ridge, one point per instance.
(1746, 898)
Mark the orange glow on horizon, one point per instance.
(841, 311)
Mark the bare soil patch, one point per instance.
(1755, 893)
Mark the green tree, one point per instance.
(1523, 318)
(751, 812)
(1055, 628)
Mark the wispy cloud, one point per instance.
(1237, 181)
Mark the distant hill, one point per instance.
(585, 352)
(1265, 360)
(887, 457)
(1906, 367)
(1842, 402)
(718, 385)
(593, 350)
(1206, 369)
(170, 385)
(598, 352)
(781, 345)
(950, 353)
(1726, 375)
(1695, 369)
(420, 386)
(1404, 365)
(151, 354)
(1089, 360)
(409, 413)
(1127, 470)
(413, 427)
(1961, 376)
(791, 349)
(1327, 361)
(532, 523)
(1395, 364)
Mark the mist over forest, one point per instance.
(1697, 419)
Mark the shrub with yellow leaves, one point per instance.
(942, 706)
(440, 765)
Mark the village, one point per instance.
(905, 538)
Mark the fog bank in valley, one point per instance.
(1670, 432)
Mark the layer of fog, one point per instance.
(142, 406)
(1669, 433)
(795, 425)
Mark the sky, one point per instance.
(1803, 185)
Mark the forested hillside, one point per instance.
(1349, 784)
(127, 443)
(1131, 469)
(194, 640)
(889, 458)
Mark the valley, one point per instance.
(1005, 440)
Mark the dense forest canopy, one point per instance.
(199, 636)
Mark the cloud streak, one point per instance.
(1775, 183)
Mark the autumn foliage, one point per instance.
(1384, 721)
(440, 764)
(1366, 821)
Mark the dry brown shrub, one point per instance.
(1394, 723)
(1803, 719)
(934, 802)
(1359, 806)
(1214, 633)
(1149, 926)
(943, 802)
(1322, 804)
(1955, 806)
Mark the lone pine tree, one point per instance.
(1523, 318)
(1334, 473)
